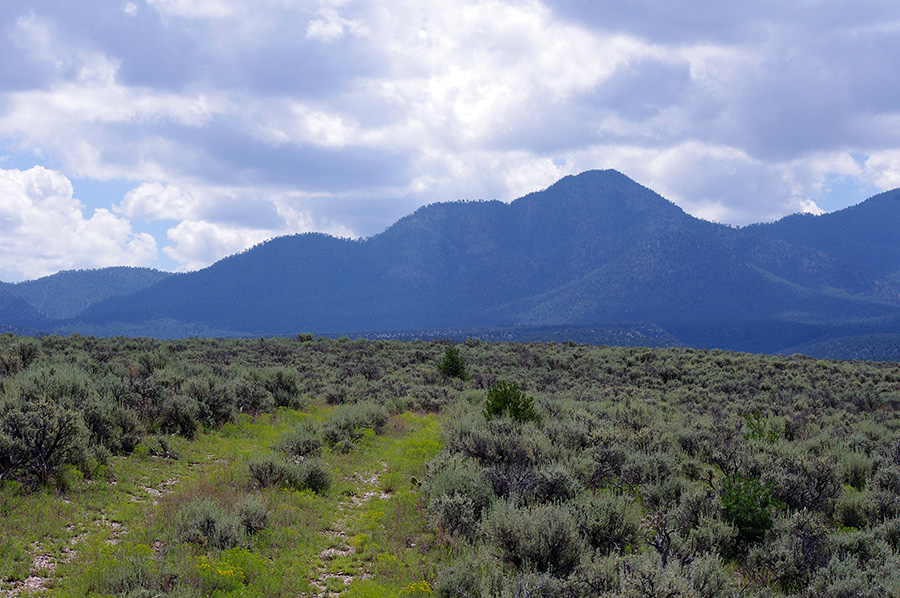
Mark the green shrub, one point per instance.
(453, 364)
(37, 438)
(314, 475)
(311, 474)
(204, 523)
(757, 429)
(608, 522)
(544, 538)
(303, 441)
(180, 415)
(747, 504)
(252, 514)
(505, 398)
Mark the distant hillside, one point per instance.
(866, 235)
(66, 294)
(590, 250)
(15, 310)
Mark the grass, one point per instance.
(365, 536)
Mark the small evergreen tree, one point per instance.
(453, 365)
(747, 504)
(506, 398)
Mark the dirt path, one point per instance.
(329, 581)
(43, 564)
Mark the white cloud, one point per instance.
(240, 120)
(883, 169)
(206, 9)
(156, 201)
(331, 27)
(46, 230)
(76, 120)
(717, 183)
(197, 243)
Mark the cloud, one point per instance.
(156, 201)
(330, 26)
(45, 229)
(198, 243)
(205, 9)
(883, 168)
(232, 121)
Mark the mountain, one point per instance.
(592, 250)
(16, 311)
(68, 293)
(866, 235)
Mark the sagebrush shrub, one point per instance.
(205, 523)
(270, 471)
(180, 414)
(799, 549)
(543, 538)
(251, 396)
(348, 422)
(303, 441)
(253, 514)
(283, 384)
(608, 522)
(313, 475)
(454, 475)
(851, 510)
(454, 514)
(38, 438)
(554, 483)
(215, 398)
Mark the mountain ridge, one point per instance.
(591, 248)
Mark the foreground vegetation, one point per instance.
(301, 466)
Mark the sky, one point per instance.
(172, 133)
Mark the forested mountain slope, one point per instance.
(68, 293)
(590, 249)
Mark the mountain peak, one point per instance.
(592, 248)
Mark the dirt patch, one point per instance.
(42, 567)
(326, 581)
